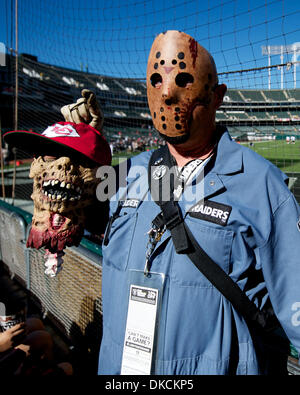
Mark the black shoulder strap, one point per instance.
(224, 283)
(185, 242)
(161, 185)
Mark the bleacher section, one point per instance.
(285, 129)
(279, 114)
(259, 115)
(221, 116)
(44, 89)
(275, 95)
(237, 115)
(293, 94)
(232, 96)
(265, 129)
(295, 115)
(252, 96)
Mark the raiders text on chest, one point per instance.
(211, 211)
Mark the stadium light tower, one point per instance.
(281, 50)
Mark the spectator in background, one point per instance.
(27, 349)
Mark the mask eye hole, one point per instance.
(183, 79)
(156, 80)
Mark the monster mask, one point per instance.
(62, 189)
(64, 183)
(181, 75)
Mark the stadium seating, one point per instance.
(221, 115)
(232, 96)
(263, 115)
(253, 96)
(237, 115)
(275, 95)
(293, 94)
(295, 114)
(279, 114)
(265, 129)
(285, 129)
(44, 89)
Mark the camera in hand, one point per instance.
(12, 312)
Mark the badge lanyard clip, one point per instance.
(154, 235)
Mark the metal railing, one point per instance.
(72, 299)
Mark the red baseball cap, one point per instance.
(63, 139)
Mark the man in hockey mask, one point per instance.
(183, 94)
(161, 315)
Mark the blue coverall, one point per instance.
(258, 246)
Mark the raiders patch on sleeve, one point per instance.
(211, 211)
(133, 203)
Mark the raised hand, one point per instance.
(86, 109)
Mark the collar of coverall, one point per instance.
(229, 156)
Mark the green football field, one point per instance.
(283, 155)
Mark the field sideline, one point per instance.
(283, 155)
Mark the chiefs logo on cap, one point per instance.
(89, 141)
(58, 130)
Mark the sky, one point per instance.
(114, 37)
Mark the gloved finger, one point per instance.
(78, 111)
(87, 94)
(65, 110)
(75, 115)
(96, 123)
(83, 112)
(92, 103)
(95, 111)
(86, 109)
